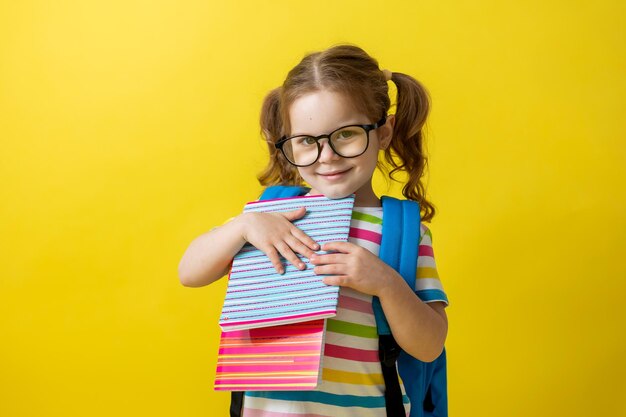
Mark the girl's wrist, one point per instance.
(393, 286)
(241, 223)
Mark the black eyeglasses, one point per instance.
(347, 141)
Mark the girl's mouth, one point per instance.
(334, 175)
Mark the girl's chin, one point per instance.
(332, 194)
(337, 196)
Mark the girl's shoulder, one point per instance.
(375, 215)
(426, 236)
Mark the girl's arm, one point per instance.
(209, 256)
(419, 328)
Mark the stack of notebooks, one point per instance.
(273, 325)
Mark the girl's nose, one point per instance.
(327, 153)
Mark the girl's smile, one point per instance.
(334, 175)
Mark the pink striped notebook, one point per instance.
(278, 358)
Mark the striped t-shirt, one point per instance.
(352, 382)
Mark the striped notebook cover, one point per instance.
(257, 296)
(279, 358)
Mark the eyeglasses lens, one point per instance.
(347, 142)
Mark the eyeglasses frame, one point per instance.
(367, 128)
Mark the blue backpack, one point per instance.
(425, 383)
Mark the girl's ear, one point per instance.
(385, 132)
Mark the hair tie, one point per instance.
(387, 74)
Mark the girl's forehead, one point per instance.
(322, 111)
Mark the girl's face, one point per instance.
(320, 113)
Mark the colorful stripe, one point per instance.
(282, 357)
(432, 295)
(368, 218)
(352, 329)
(425, 250)
(354, 304)
(261, 413)
(351, 354)
(352, 377)
(276, 321)
(343, 401)
(425, 272)
(365, 235)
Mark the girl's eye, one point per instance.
(305, 140)
(345, 134)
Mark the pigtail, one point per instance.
(413, 104)
(278, 171)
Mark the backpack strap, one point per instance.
(398, 249)
(270, 193)
(283, 191)
(399, 246)
(236, 403)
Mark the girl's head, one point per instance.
(334, 88)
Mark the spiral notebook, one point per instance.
(257, 296)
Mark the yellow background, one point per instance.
(129, 127)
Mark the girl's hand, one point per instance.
(274, 234)
(355, 267)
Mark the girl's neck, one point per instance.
(366, 198)
(363, 197)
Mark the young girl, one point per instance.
(325, 127)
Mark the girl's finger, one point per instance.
(289, 255)
(299, 247)
(331, 258)
(333, 269)
(343, 247)
(274, 258)
(304, 238)
(340, 280)
(294, 215)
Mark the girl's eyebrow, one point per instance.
(325, 133)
